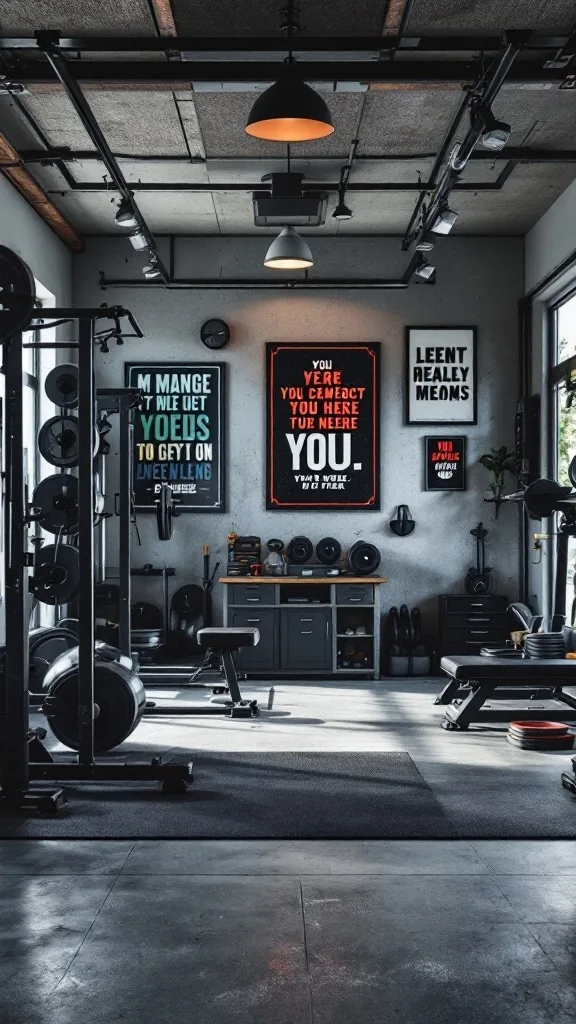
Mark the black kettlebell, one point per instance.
(403, 525)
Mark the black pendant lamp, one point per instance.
(290, 110)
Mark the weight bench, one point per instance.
(474, 680)
(220, 642)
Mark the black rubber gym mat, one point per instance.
(257, 796)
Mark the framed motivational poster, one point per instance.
(323, 427)
(441, 377)
(445, 463)
(179, 434)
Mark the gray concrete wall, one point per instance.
(551, 240)
(23, 230)
(479, 283)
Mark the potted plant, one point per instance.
(498, 461)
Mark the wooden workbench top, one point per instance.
(302, 579)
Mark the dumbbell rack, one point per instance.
(16, 770)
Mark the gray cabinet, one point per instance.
(265, 656)
(306, 639)
(308, 627)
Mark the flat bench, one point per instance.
(473, 680)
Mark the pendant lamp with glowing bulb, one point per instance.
(289, 111)
(288, 252)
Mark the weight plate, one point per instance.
(299, 550)
(58, 440)
(45, 645)
(56, 574)
(328, 551)
(56, 501)
(17, 293)
(61, 385)
(188, 600)
(363, 558)
(145, 616)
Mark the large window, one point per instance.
(564, 321)
(36, 364)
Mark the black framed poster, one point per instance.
(445, 463)
(441, 377)
(323, 426)
(179, 434)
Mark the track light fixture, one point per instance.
(445, 221)
(495, 134)
(289, 252)
(138, 240)
(426, 243)
(125, 217)
(151, 271)
(342, 212)
(425, 270)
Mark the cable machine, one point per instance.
(17, 740)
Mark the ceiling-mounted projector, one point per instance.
(289, 203)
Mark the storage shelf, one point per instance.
(356, 636)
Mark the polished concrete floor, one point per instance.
(321, 932)
(299, 932)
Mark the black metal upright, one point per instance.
(124, 524)
(14, 746)
(86, 540)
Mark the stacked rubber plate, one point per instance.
(544, 645)
(540, 736)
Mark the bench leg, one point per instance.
(231, 676)
(449, 692)
(459, 716)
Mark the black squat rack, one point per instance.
(17, 770)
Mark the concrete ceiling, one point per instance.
(199, 130)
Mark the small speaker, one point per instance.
(328, 551)
(363, 558)
(299, 550)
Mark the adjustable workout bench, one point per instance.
(475, 680)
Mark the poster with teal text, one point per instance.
(179, 434)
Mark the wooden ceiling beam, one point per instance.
(12, 167)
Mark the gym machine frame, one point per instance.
(238, 707)
(16, 770)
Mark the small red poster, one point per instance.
(445, 463)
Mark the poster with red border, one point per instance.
(323, 426)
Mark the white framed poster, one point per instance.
(441, 375)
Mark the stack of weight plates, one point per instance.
(540, 736)
(544, 645)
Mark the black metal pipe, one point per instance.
(86, 540)
(14, 770)
(243, 285)
(180, 186)
(270, 44)
(447, 71)
(520, 154)
(491, 84)
(448, 138)
(84, 111)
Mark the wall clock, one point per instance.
(215, 333)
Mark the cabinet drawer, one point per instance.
(265, 656)
(458, 641)
(474, 605)
(355, 593)
(251, 593)
(478, 620)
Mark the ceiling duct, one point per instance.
(288, 203)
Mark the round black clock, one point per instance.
(215, 334)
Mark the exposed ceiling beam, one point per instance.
(13, 168)
(406, 70)
(397, 16)
(164, 17)
(521, 154)
(277, 44)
